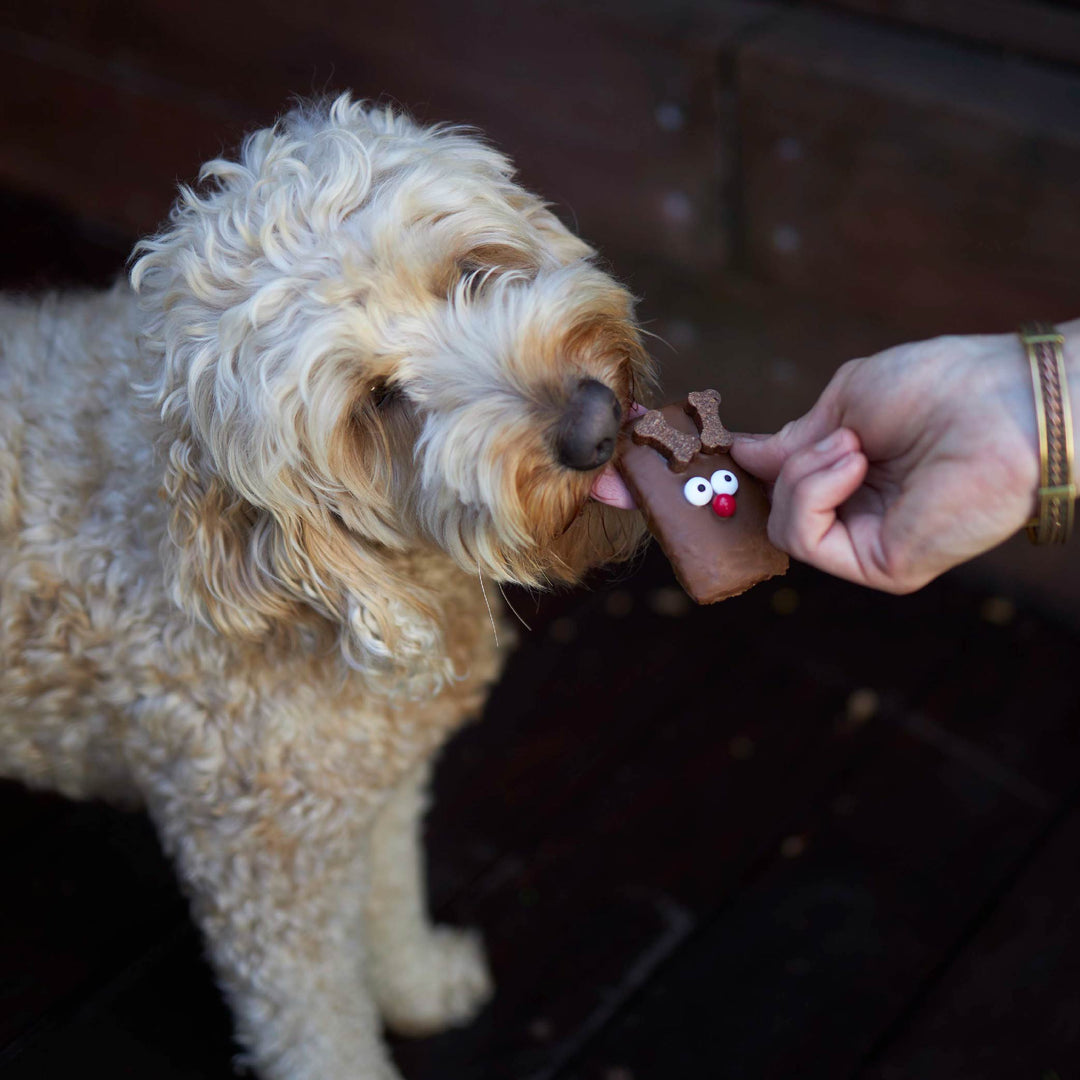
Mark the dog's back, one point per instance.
(77, 529)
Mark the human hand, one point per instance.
(911, 461)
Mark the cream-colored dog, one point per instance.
(247, 507)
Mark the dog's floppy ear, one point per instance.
(281, 518)
(222, 548)
(251, 573)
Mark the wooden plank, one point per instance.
(910, 178)
(803, 968)
(1008, 1006)
(1010, 699)
(580, 108)
(1047, 31)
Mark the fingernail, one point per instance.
(830, 442)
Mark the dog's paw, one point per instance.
(441, 982)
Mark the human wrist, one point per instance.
(1001, 420)
(1012, 356)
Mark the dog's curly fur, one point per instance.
(247, 505)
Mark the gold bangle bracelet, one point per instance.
(1053, 417)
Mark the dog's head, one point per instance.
(366, 341)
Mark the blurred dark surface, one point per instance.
(811, 832)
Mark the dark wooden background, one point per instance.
(849, 845)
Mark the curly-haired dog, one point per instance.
(246, 510)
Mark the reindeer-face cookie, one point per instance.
(708, 515)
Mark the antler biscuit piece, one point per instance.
(677, 447)
(703, 406)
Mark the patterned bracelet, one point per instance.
(1053, 415)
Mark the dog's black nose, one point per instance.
(585, 438)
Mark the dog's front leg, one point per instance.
(425, 978)
(277, 886)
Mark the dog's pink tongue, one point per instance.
(610, 488)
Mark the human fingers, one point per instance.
(810, 489)
(765, 455)
(812, 459)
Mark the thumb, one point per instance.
(760, 455)
(764, 455)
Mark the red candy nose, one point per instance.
(723, 505)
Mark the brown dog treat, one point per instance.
(704, 407)
(715, 539)
(677, 447)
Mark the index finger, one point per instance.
(765, 455)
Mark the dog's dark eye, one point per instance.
(382, 395)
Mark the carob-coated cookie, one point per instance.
(708, 515)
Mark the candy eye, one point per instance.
(698, 491)
(724, 482)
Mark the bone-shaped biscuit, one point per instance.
(703, 406)
(677, 447)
